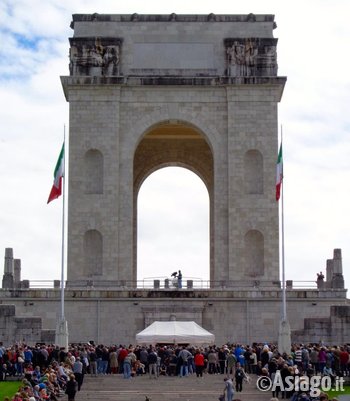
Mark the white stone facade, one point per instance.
(175, 90)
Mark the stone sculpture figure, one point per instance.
(242, 58)
(250, 58)
(236, 59)
(110, 60)
(94, 59)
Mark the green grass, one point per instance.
(9, 389)
(336, 393)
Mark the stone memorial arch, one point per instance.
(148, 91)
(198, 91)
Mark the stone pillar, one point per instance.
(338, 278)
(330, 270)
(17, 272)
(9, 266)
(7, 280)
(337, 262)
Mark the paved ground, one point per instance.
(115, 388)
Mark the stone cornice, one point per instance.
(222, 18)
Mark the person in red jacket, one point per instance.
(123, 352)
(344, 361)
(199, 363)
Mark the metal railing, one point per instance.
(301, 284)
(168, 283)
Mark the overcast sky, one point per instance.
(313, 52)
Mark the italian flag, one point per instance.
(58, 174)
(279, 173)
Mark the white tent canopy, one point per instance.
(175, 332)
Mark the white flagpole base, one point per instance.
(284, 337)
(61, 336)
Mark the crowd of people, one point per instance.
(46, 372)
(49, 372)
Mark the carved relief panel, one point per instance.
(248, 57)
(95, 56)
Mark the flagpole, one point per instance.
(284, 335)
(62, 325)
(63, 227)
(284, 297)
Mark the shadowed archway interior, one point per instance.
(173, 144)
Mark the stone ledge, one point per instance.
(172, 17)
(123, 293)
(195, 80)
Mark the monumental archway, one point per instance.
(173, 144)
(195, 91)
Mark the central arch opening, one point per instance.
(176, 159)
(173, 226)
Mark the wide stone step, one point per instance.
(116, 388)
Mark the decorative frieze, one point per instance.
(95, 56)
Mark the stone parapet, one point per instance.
(116, 316)
(122, 293)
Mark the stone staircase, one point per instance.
(208, 388)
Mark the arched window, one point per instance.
(93, 251)
(254, 253)
(93, 166)
(253, 172)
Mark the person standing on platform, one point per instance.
(179, 279)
